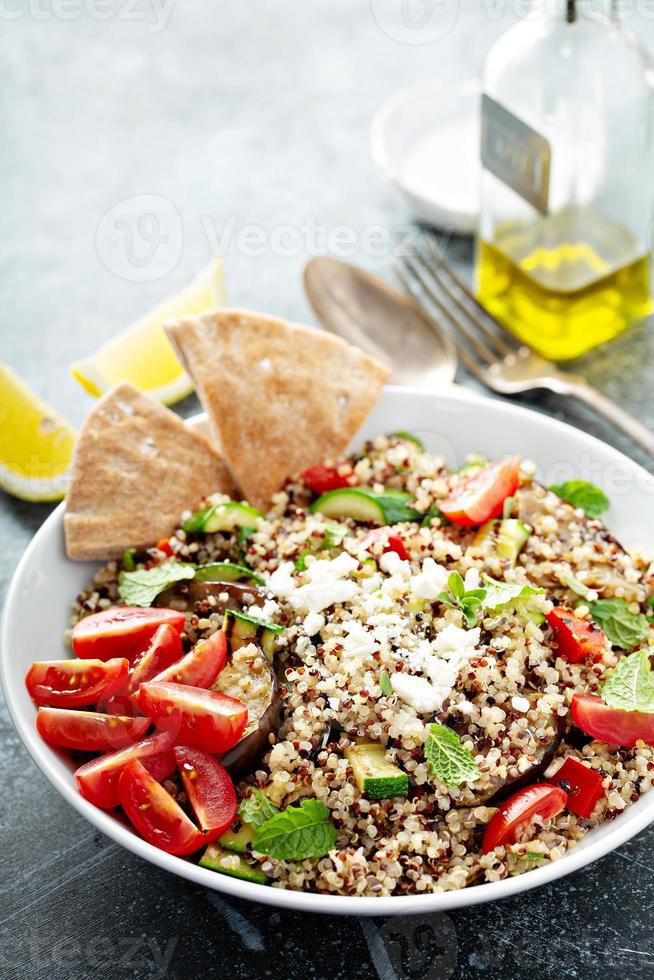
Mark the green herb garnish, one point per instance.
(141, 587)
(256, 809)
(468, 602)
(127, 561)
(501, 594)
(581, 493)
(630, 685)
(434, 511)
(297, 833)
(448, 760)
(623, 628)
(385, 684)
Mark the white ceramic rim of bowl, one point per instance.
(635, 819)
(424, 209)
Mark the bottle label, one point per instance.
(515, 153)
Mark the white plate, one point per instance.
(425, 141)
(455, 423)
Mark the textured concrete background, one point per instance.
(251, 114)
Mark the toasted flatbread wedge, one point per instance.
(136, 467)
(281, 397)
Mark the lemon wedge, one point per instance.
(36, 444)
(142, 354)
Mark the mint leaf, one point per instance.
(335, 534)
(385, 684)
(502, 593)
(297, 833)
(581, 493)
(456, 585)
(448, 760)
(141, 588)
(623, 628)
(468, 602)
(256, 809)
(630, 685)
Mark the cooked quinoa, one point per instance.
(499, 684)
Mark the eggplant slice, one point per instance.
(229, 595)
(249, 676)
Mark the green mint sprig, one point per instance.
(448, 759)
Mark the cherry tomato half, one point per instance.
(165, 648)
(387, 541)
(123, 631)
(583, 786)
(322, 479)
(209, 789)
(88, 731)
(97, 780)
(158, 818)
(612, 725)
(577, 639)
(541, 800)
(201, 666)
(74, 683)
(209, 720)
(481, 496)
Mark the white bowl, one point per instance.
(454, 423)
(425, 141)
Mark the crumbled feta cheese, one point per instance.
(334, 703)
(358, 642)
(281, 583)
(313, 623)
(430, 582)
(453, 640)
(416, 691)
(520, 704)
(268, 611)
(327, 584)
(391, 563)
(472, 579)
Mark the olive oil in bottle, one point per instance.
(567, 149)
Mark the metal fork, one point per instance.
(492, 354)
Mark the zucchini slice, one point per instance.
(374, 775)
(362, 504)
(227, 571)
(229, 863)
(222, 517)
(508, 537)
(238, 840)
(242, 629)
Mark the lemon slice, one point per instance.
(36, 444)
(142, 354)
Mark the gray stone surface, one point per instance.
(234, 115)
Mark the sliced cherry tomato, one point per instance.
(481, 496)
(577, 639)
(155, 814)
(209, 789)
(123, 631)
(207, 719)
(88, 731)
(165, 648)
(164, 545)
(612, 725)
(541, 800)
(97, 780)
(583, 786)
(387, 540)
(74, 683)
(201, 666)
(322, 479)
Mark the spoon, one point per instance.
(366, 311)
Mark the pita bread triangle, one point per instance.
(136, 467)
(281, 397)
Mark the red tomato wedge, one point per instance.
(208, 720)
(88, 731)
(480, 497)
(612, 725)
(97, 780)
(541, 800)
(322, 479)
(201, 666)
(164, 545)
(74, 683)
(577, 639)
(155, 814)
(583, 786)
(387, 541)
(165, 648)
(123, 631)
(209, 789)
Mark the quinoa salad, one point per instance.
(444, 672)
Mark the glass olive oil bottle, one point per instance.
(563, 252)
